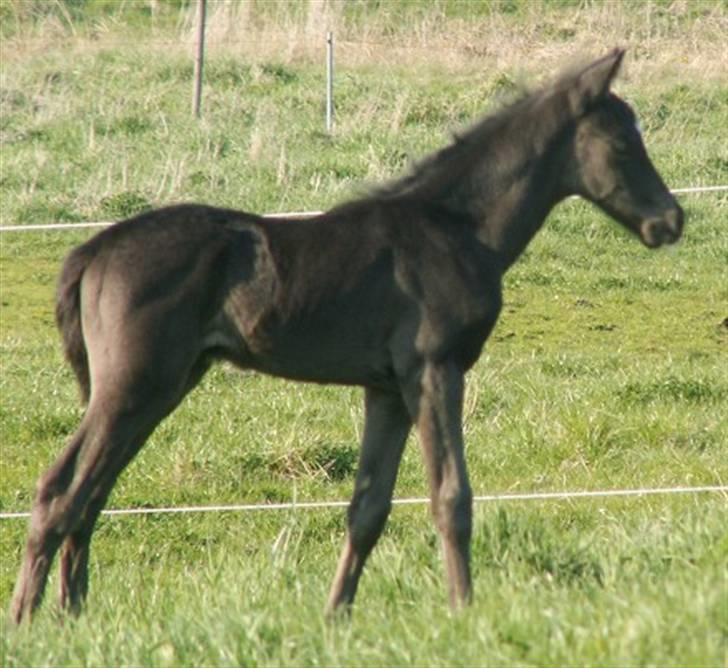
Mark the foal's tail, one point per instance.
(68, 314)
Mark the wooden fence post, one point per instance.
(329, 81)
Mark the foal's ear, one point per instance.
(592, 83)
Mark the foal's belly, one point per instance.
(346, 353)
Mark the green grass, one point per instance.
(607, 369)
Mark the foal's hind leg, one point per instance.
(72, 493)
(65, 507)
(387, 424)
(75, 549)
(45, 531)
(114, 446)
(126, 440)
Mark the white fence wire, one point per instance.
(46, 227)
(483, 498)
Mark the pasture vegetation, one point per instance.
(607, 370)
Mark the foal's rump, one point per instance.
(142, 297)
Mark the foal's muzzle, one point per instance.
(665, 229)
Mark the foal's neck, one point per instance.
(512, 194)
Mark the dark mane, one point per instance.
(433, 177)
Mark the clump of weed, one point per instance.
(319, 460)
(124, 204)
(279, 73)
(336, 461)
(331, 461)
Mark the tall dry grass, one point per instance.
(684, 38)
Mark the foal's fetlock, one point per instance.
(23, 605)
(340, 613)
(17, 613)
(71, 603)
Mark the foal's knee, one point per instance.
(453, 511)
(367, 518)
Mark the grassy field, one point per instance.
(607, 369)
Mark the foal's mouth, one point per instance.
(666, 229)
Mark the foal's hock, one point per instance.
(395, 292)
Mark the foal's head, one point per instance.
(610, 165)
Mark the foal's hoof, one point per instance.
(18, 614)
(338, 614)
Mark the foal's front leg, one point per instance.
(387, 423)
(437, 402)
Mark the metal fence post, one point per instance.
(199, 58)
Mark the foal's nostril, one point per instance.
(674, 220)
(672, 225)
